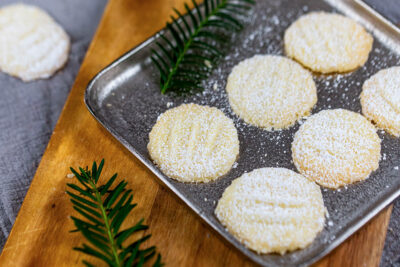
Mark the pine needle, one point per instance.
(194, 48)
(103, 209)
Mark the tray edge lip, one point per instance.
(331, 246)
(368, 8)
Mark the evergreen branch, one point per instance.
(105, 210)
(198, 46)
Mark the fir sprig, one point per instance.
(105, 208)
(187, 59)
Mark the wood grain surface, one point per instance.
(40, 236)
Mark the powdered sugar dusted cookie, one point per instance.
(193, 143)
(327, 42)
(271, 91)
(336, 147)
(380, 99)
(272, 210)
(32, 44)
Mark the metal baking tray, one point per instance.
(125, 98)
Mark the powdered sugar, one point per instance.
(32, 44)
(336, 147)
(193, 143)
(380, 99)
(272, 210)
(271, 91)
(327, 42)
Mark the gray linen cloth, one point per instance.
(29, 112)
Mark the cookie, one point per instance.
(336, 147)
(193, 143)
(271, 92)
(380, 100)
(32, 44)
(328, 42)
(272, 210)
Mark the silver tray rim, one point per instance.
(161, 178)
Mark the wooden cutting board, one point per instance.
(40, 236)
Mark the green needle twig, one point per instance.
(195, 49)
(103, 210)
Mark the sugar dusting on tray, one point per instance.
(133, 120)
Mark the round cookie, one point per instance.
(272, 210)
(32, 44)
(336, 147)
(193, 143)
(271, 92)
(380, 99)
(328, 42)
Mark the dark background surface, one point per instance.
(388, 8)
(391, 252)
(29, 111)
